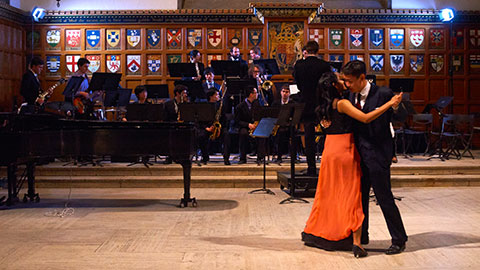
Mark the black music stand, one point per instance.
(119, 97)
(269, 66)
(197, 112)
(401, 85)
(104, 81)
(182, 70)
(236, 91)
(72, 86)
(195, 89)
(145, 112)
(264, 130)
(441, 103)
(290, 115)
(228, 68)
(336, 66)
(157, 91)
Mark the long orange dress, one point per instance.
(337, 208)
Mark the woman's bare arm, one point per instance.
(346, 107)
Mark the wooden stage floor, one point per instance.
(142, 228)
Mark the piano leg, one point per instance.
(12, 184)
(31, 184)
(187, 168)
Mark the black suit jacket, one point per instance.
(244, 116)
(307, 72)
(374, 140)
(30, 87)
(170, 113)
(205, 87)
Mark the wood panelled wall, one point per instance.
(12, 62)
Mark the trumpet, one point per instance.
(265, 85)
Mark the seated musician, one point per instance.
(30, 85)
(245, 123)
(210, 81)
(265, 96)
(205, 129)
(281, 139)
(172, 112)
(141, 94)
(81, 91)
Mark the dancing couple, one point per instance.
(357, 156)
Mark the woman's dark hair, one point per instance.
(326, 93)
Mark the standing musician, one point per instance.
(265, 95)
(255, 53)
(281, 138)
(236, 56)
(195, 58)
(245, 123)
(210, 81)
(30, 86)
(307, 72)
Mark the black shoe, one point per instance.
(278, 161)
(359, 252)
(395, 249)
(365, 241)
(259, 162)
(168, 161)
(226, 162)
(242, 161)
(204, 162)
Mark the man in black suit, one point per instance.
(281, 138)
(374, 143)
(171, 108)
(307, 72)
(210, 81)
(245, 123)
(30, 85)
(235, 55)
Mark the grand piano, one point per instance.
(26, 139)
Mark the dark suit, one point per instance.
(170, 113)
(307, 72)
(243, 117)
(375, 146)
(281, 139)
(29, 89)
(216, 85)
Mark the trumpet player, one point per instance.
(264, 87)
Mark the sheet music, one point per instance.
(293, 89)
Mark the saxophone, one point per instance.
(179, 118)
(217, 127)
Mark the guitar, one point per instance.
(45, 95)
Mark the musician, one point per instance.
(210, 81)
(255, 53)
(171, 106)
(307, 72)
(206, 129)
(83, 65)
(30, 85)
(196, 58)
(236, 56)
(141, 94)
(281, 139)
(265, 96)
(245, 123)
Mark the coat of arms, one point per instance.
(214, 37)
(255, 36)
(153, 37)
(113, 63)
(416, 37)
(53, 38)
(194, 37)
(475, 61)
(174, 38)
(53, 63)
(72, 63)
(93, 38)
(356, 37)
(94, 62)
(317, 35)
(376, 62)
(153, 63)
(133, 63)
(336, 37)
(376, 37)
(396, 62)
(457, 62)
(133, 37)
(113, 37)
(396, 37)
(436, 62)
(416, 62)
(475, 37)
(73, 38)
(457, 38)
(436, 38)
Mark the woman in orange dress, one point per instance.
(336, 217)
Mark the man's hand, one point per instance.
(396, 99)
(39, 101)
(251, 126)
(209, 129)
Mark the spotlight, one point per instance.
(38, 13)
(446, 14)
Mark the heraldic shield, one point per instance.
(396, 37)
(397, 62)
(416, 62)
(93, 38)
(153, 37)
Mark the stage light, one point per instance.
(446, 14)
(38, 13)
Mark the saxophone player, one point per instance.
(172, 112)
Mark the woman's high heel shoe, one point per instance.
(359, 252)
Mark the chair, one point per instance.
(465, 127)
(447, 135)
(421, 125)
